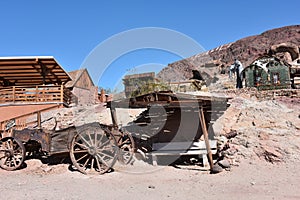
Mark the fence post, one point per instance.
(14, 94)
(39, 120)
(62, 93)
(36, 93)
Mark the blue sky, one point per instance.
(70, 30)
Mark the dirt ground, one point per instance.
(251, 180)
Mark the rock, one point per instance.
(151, 187)
(47, 169)
(231, 134)
(224, 163)
(216, 169)
(271, 154)
(263, 136)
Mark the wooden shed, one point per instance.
(82, 87)
(267, 73)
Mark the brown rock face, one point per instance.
(283, 41)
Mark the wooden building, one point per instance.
(135, 82)
(28, 86)
(82, 87)
(267, 73)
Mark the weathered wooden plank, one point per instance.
(172, 146)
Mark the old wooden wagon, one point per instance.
(93, 147)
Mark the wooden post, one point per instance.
(205, 134)
(113, 113)
(62, 93)
(36, 93)
(14, 94)
(39, 120)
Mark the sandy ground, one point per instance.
(250, 180)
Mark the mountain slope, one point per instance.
(283, 42)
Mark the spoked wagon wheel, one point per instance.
(93, 150)
(12, 153)
(127, 147)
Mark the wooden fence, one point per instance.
(37, 94)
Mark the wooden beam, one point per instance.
(43, 71)
(205, 134)
(14, 71)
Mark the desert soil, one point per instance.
(250, 180)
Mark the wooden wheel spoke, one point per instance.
(86, 162)
(99, 141)
(90, 138)
(108, 148)
(5, 160)
(82, 157)
(103, 144)
(9, 146)
(124, 142)
(103, 161)
(106, 155)
(81, 145)
(95, 138)
(9, 163)
(16, 148)
(92, 164)
(98, 163)
(14, 161)
(81, 151)
(84, 140)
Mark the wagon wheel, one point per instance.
(93, 150)
(12, 153)
(127, 147)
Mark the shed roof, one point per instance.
(31, 70)
(75, 76)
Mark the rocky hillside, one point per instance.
(283, 42)
(260, 128)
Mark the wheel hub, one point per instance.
(9, 153)
(92, 150)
